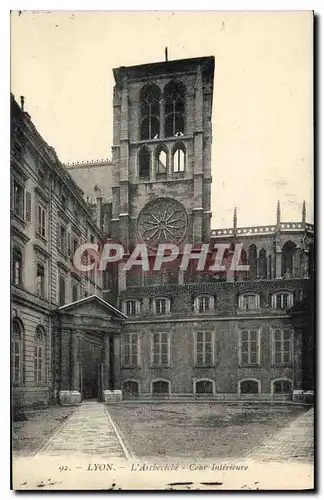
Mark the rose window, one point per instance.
(163, 220)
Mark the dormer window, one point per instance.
(249, 301)
(161, 306)
(282, 300)
(131, 307)
(204, 303)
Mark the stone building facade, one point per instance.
(169, 333)
(49, 220)
(189, 332)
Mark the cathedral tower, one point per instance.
(162, 152)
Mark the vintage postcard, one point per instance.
(162, 250)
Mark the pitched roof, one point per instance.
(92, 298)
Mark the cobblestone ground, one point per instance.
(89, 431)
(294, 443)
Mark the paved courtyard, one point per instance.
(90, 432)
(217, 430)
(294, 443)
(261, 433)
(126, 436)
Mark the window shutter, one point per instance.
(27, 206)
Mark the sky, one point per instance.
(62, 62)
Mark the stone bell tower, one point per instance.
(162, 152)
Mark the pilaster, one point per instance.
(117, 360)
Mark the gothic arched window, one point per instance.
(253, 254)
(174, 109)
(262, 263)
(288, 252)
(161, 161)
(179, 158)
(150, 96)
(144, 161)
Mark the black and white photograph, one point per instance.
(162, 250)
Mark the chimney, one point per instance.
(22, 102)
(166, 54)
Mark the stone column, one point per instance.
(162, 119)
(297, 361)
(106, 361)
(297, 263)
(69, 393)
(278, 264)
(121, 277)
(65, 359)
(117, 381)
(75, 382)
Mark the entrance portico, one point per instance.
(88, 350)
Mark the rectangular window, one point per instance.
(75, 292)
(16, 359)
(203, 304)
(18, 199)
(69, 244)
(61, 291)
(130, 350)
(204, 349)
(249, 302)
(28, 206)
(75, 245)
(41, 177)
(40, 280)
(131, 308)
(160, 306)
(62, 239)
(17, 151)
(249, 347)
(161, 349)
(41, 221)
(17, 266)
(38, 364)
(282, 347)
(283, 300)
